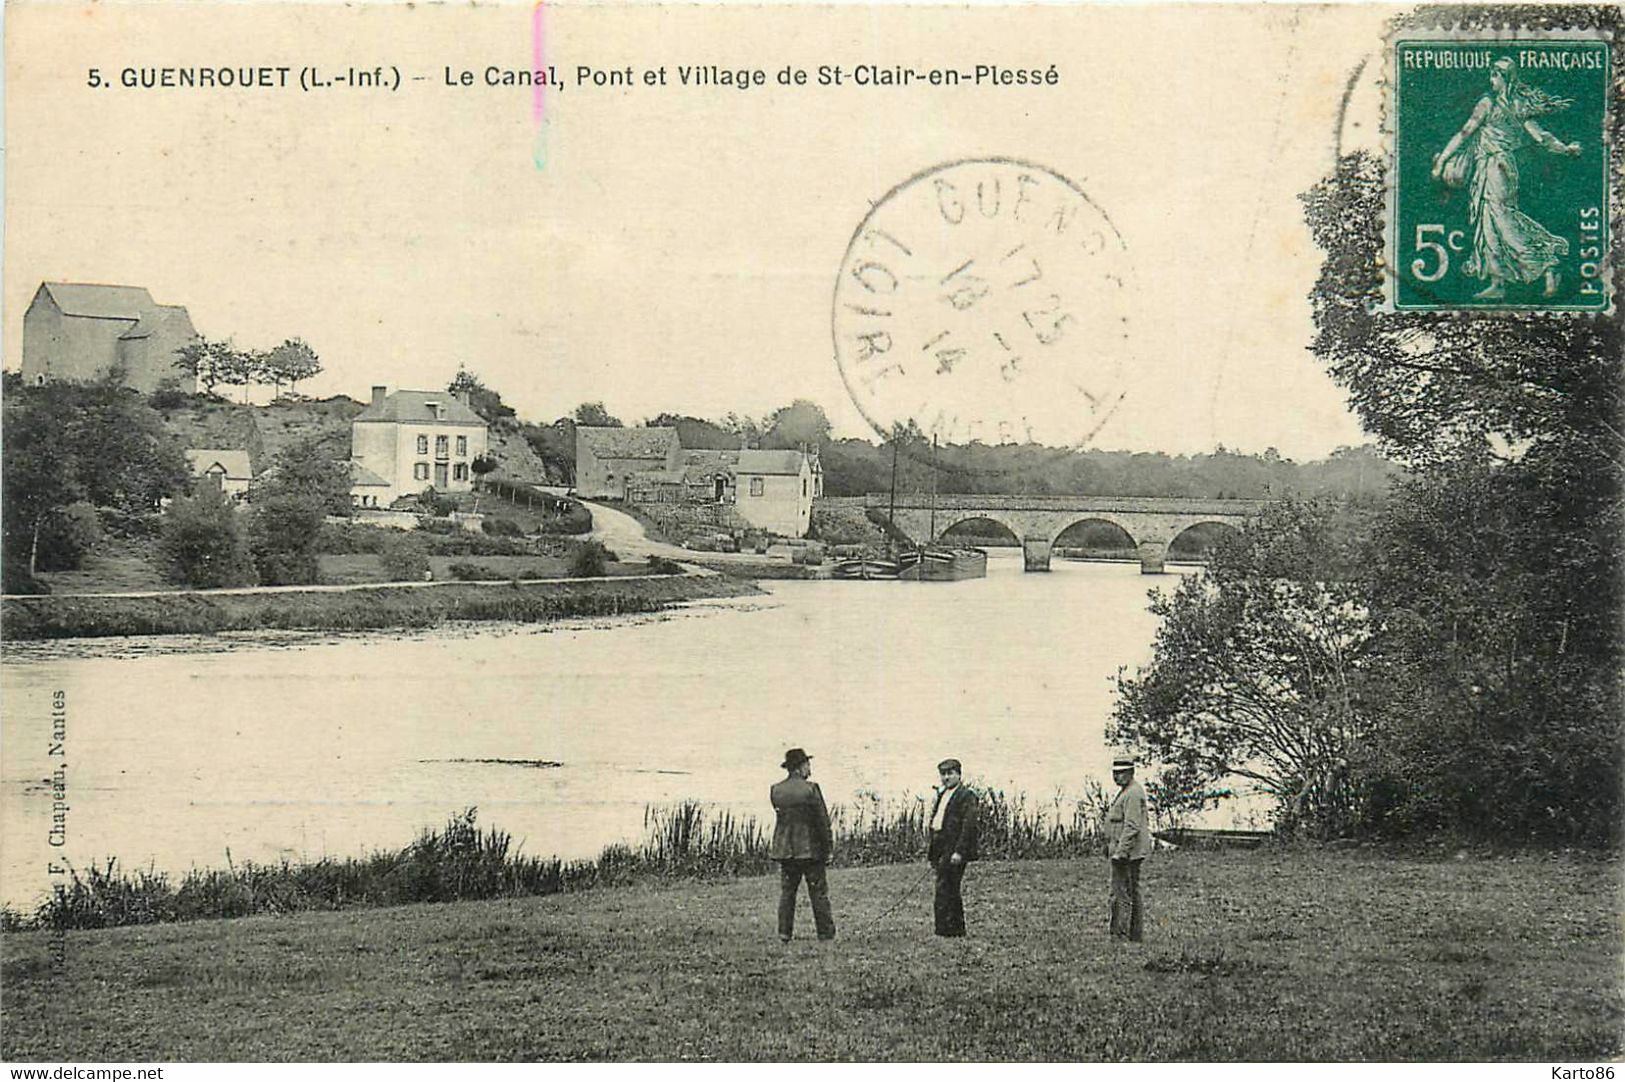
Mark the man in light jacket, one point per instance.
(1128, 840)
(802, 844)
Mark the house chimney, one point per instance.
(378, 392)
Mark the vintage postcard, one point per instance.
(860, 532)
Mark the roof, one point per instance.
(99, 301)
(627, 442)
(701, 465)
(771, 462)
(233, 460)
(360, 475)
(417, 407)
(155, 317)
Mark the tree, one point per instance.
(202, 543)
(209, 362)
(40, 474)
(481, 399)
(1493, 577)
(289, 363)
(1257, 670)
(291, 500)
(66, 537)
(800, 424)
(594, 415)
(482, 465)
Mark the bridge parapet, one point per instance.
(1151, 522)
(1165, 505)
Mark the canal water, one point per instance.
(179, 751)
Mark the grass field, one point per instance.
(1269, 955)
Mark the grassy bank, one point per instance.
(1268, 955)
(66, 616)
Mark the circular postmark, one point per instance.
(985, 301)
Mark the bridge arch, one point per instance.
(1212, 527)
(947, 520)
(1002, 527)
(1102, 539)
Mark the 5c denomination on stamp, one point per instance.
(987, 301)
(1499, 171)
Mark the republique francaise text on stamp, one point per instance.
(1499, 171)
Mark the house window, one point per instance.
(423, 445)
(462, 446)
(755, 486)
(459, 472)
(420, 471)
(804, 488)
(440, 445)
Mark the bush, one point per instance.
(66, 536)
(502, 527)
(467, 572)
(351, 540)
(15, 579)
(659, 565)
(404, 558)
(203, 544)
(433, 503)
(130, 525)
(589, 561)
(168, 396)
(287, 568)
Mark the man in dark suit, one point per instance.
(802, 844)
(953, 845)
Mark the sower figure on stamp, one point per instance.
(953, 845)
(1508, 245)
(1128, 840)
(802, 844)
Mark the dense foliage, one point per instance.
(291, 500)
(203, 543)
(1485, 694)
(67, 444)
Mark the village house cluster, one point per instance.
(407, 441)
(729, 490)
(400, 444)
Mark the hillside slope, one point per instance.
(264, 431)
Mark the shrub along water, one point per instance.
(462, 862)
(349, 610)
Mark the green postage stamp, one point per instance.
(1499, 171)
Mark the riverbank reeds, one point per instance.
(463, 862)
(194, 613)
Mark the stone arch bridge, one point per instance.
(1152, 522)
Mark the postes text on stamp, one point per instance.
(988, 301)
(1499, 171)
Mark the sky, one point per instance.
(676, 248)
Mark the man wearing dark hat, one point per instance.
(953, 845)
(802, 844)
(1128, 840)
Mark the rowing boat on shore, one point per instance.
(1213, 839)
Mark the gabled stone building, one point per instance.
(82, 331)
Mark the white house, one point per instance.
(774, 490)
(405, 442)
(223, 467)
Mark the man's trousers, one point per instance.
(791, 872)
(949, 906)
(1126, 905)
